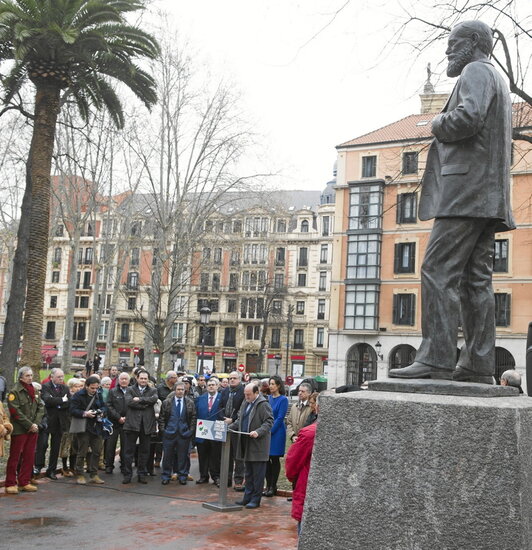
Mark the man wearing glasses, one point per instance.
(232, 398)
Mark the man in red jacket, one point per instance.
(297, 467)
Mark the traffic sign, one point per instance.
(241, 368)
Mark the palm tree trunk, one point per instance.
(40, 165)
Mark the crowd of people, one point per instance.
(153, 426)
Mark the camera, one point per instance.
(97, 412)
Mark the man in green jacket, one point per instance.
(26, 410)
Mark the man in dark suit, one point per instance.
(208, 407)
(466, 188)
(56, 397)
(116, 412)
(232, 398)
(140, 424)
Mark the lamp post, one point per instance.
(277, 364)
(378, 347)
(205, 317)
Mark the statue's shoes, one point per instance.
(420, 370)
(463, 375)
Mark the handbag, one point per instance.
(79, 425)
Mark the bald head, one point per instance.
(251, 392)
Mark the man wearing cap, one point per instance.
(26, 410)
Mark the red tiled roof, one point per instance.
(414, 127)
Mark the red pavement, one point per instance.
(63, 515)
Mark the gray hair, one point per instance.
(106, 379)
(171, 374)
(180, 383)
(305, 386)
(124, 375)
(23, 370)
(483, 31)
(512, 377)
(239, 374)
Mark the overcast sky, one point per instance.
(309, 80)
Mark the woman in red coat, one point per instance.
(297, 467)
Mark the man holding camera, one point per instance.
(87, 405)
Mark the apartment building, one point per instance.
(379, 242)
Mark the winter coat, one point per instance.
(78, 405)
(166, 411)
(116, 405)
(297, 467)
(279, 407)
(297, 419)
(23, 411)
(238, 397)
(141, 413)
(57, 410)
(260, 421)
(5, 428)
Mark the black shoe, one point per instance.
(217, 482)
(51, 475)
(252, 505)
(241, 502)
(202, 480)
(182, 482)
(142, 479)
(165, 481)
(270, 491)
(108, 470)
(151, 474)
(126, 480)
(289, 499)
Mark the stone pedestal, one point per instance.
(408, 471)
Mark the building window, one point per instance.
(324, 250)
(204, 282)
(178, 332)
(251, 308)
(135, 256)
(277, 307)
(363, 256)
(233, 281)
(503, 309)
(81, 302)
(124, 332)
(235, 257)
(299, 338)
(50, 330)
(217, 255)
(276, 338)
(132, 303)
(215, 282)
(55, 277)
(53, 302)
(279, 256)
(237, 226)
(59, 230)
(78, 279)
(406, 208)
(365, 209)
(133, 280)
(300, 307)
(230, 336)
(103, 330)
(87, 280)
(80, 255)
(405, 258)
(304, 226)
(301, 279)
(369, 166)
(231, 306)
(205, 302)
(322, 285)
(253, 332)
(79, 330)
(320, 337)
(404, 309)
(321, 308)
(57, 256)
(326, 226)
(410, 162)
(281, 226)
(136, 229)
(278, 281)
(361, 307)
(500, 256)
(303, 257)
(206, 254)
(209, 333)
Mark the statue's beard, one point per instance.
(460, 60)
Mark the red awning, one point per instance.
(79, 353)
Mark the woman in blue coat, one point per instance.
(279, 405)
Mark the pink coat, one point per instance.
(297, 467)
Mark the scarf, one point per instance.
(30, 388)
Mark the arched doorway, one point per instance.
(504, 360)
(361, 364)
(402, 356)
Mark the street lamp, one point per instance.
(378, 347)
(205, 317)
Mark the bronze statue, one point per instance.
(466, 188)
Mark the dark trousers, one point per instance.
(83, 441)
(55, 443)
(236, 467)
(110, 447)
(22, 450)
(255, 473)
(40, 450)
(209, 457)
(143, 452)
(273, 468)
(175, 455)
(456, 278)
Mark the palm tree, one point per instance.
(70, 50)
